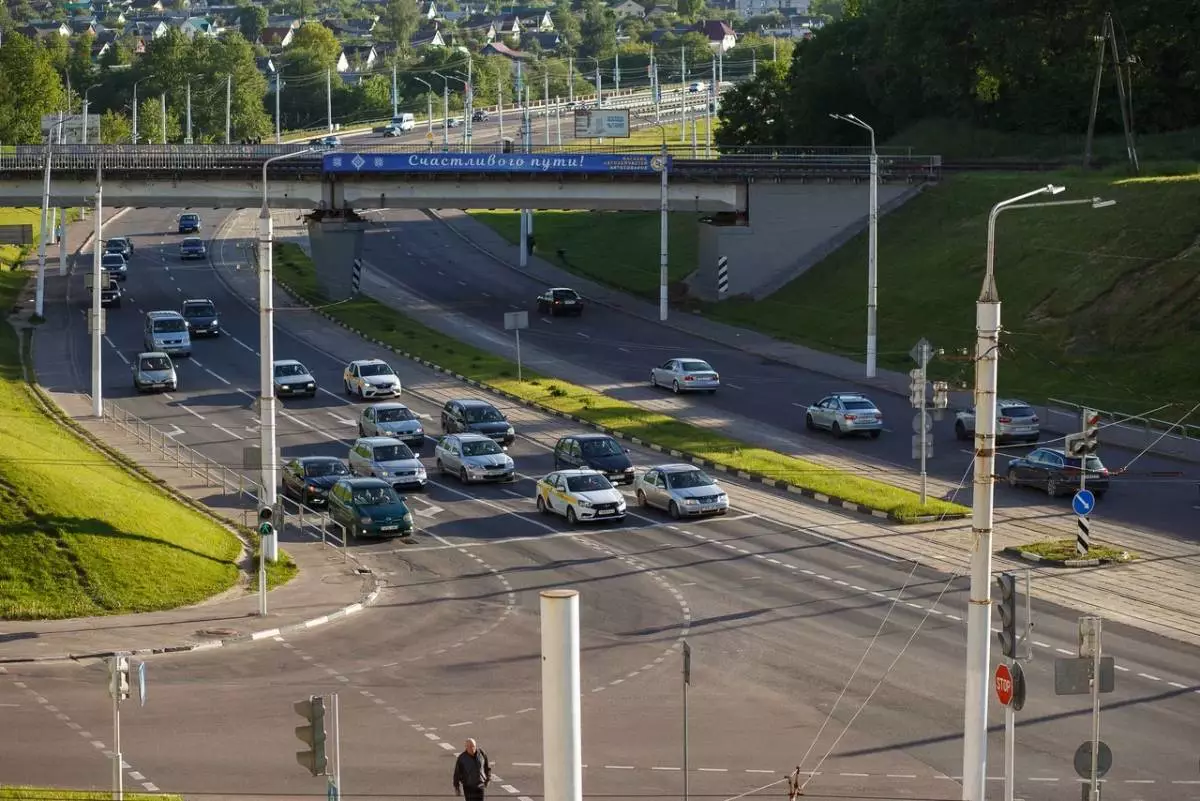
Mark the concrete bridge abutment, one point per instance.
(336, 244)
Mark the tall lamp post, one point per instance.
(468, 107)
(872, 248)
(429, 106)
(454, 76)
(266, 339)
(135, 107)
(86, 105)
(445, 109)
(663, 219)
(987, 344)
(39, 304)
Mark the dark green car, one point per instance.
(369, 507)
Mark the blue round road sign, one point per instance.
(1083, 502)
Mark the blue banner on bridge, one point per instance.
(593, 163)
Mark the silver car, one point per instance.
(1016, 421)
(684, 490)
(473, 457)
(686, 375)
(292, 378)
(154, 370)
(392, 420)
(845, 413)
(389, 459)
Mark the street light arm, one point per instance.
(274, 159)
(989, 293)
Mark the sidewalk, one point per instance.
(326, 588)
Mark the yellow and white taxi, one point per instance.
(580, 495)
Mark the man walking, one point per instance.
(472, 772)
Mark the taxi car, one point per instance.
(371, 378)
(579, 496)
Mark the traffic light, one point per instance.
(118, 677)
(312, 735)
(1091, 432)
(916, 388)
(265, 528)
(1008, 614)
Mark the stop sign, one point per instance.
(1004, 685)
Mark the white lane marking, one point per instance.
(295, 419)
(581, 334)
(191, 411)
(219, 378)
(341, 419)
(547, 322)
(227, 431)
(240, 342)
(168, 397)
(731, 386)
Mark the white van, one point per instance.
(405, 122)
(167, 332)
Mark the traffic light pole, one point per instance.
(118, 775)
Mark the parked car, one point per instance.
(392, 420)
(1016, 421)
(201, 317)
(683, 490)
(473, 457)
(189, 223)
(686, 375)
(476, 416)
(845, 413)
(371, 378)
(192, 248)
(154, 370)
(480, 115)
(389, 459)
(560, 300)
(368, 507)
(1052, 470)
(598, 452)
(122, 245)
(580, 495)
(115, 265)
(292, 378)
(308, 479)
(167, 332)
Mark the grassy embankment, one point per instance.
(80, 535)
(378, 321)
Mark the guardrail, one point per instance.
(311, 523)
(1149, 429)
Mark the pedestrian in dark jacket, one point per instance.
(472, 772)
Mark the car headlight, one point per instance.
(421, 472)
(366, 521)
(419, 432)
(690, 501)
(408, 519)
(584, 504)
(383, 474)
(312, 489)
(510, 432)
(310, 385)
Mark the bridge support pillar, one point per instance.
(336, 240)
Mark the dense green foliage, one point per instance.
(995, 64)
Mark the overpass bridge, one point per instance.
(768, 195)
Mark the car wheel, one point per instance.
(361, 431)
(653, 382)
(674, 510)
(837, 431)
(960, 431)
(571, 517)
(541, 506)
(874, 434)
(346, 384)
(641, 499)
(675, 387)
(1013, 481)
(1052, 487)
(462, 476)
(808, 423)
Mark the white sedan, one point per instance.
(580, 495)
(371, 378)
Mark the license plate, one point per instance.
(388, 528)
(568, 303)
(604, 512)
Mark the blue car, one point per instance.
(192, 248)
(189, 223)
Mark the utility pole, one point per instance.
(753, 63)
(617, 71)
(470, 101)
(708, 111)
(599, 86)
(97, 331)
(278, 91)
(135, 114)
(570, 79)
(395, 94)
(187, 138)
(687, 681)
(228, 108)
(329, 98)
(446, 113)
(683, 91)
(546, 104)
(163, 115)
(118, 689)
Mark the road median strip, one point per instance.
(1062, 553)
(389, 328)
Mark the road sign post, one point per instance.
(515, 321)
(1082, 504)
(687, 680)
(266, 541)
(922, 442)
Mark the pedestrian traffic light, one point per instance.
(118, 677)
(1091, 432)
(312, 735)
(265, 529)
(916, 388)
(1008, 614)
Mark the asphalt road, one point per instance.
(777, 615)
(435, 264)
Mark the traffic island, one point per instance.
(1063, 553)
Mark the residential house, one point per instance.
(265, 65)
(360, 57)
(83, 25)
(197, 26)
(628, 8)
(509, 25)
(547, 41)
(661, 12)
(656, 36)
(755, 8)
(480, 26)
(353, 28)
(277, 37)
(44, 30)
(428, 10)
(147, 29)
(501, 49)
(146, 6)
(429, 35)
(342, 65)
(721, 37)
(537, 19)
(99, 49)
(283, 21)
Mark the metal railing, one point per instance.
(245, 492)
(1147, 426)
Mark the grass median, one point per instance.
(295, 269)
(59, 794)
(80, 535)
(1064, 550)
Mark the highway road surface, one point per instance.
(778, 617)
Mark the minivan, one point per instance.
(405, 122)
(167, 332)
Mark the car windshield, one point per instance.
(116, 244)
(169, 326)
(391, 453)
(588, 483)
(1017, 411)
(483, 414)
(696, 367)
(192, 242)
(375, 369)
(330, 467)
(189, 218)
(393, 415)
(688, 479)
(283, 370)
(110, 259)
(482, 447)
(155, 363)
(565, 294)
(375, 496)
(600, 447)
(199, 310)
(858, 405)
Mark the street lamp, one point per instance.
(86, 104)
(266, 338)
(872, 248)
(468, 106)
(135, 107)
(445, 109)
(663, 221)
(979, 607)
(39, 304)
(429, 107)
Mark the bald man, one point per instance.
(472, 772)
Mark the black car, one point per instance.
(560, 300)
(189, 223)
(479, 115)
(598, 452)
(308, 479)
(473, 416)
(1057, 473)
(201, 317)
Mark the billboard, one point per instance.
(580, 163)
(602, 123)
(71, 131)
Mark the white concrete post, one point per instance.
(562, 738)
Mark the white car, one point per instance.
(371, 378)
(580, 495)
(683, 490)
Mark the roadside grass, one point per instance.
(11, 255)
(378, 321)
(12, 793)
(81, 536)
(279, 572)
(1065, 549)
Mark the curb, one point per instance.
(1028, 556)
(344, 612)
(757, 478)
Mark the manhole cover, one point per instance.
(217, 632)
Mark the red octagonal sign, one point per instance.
(1004, 685)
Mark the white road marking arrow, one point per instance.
(174, 432)
(341, 419)
(430, 512)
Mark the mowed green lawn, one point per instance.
(1099, 306)
(57, 794)
(81, 536)
(9, 254)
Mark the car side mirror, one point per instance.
(626, 450)
(504, 448)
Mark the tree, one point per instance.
(79, 62)
(150, 121)
(400, 19)
(115, 128)
(567, 25)
(318, 40)
(689, 9)
(29, 88)
(753, 113)
(598, 33)
(252, 20)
